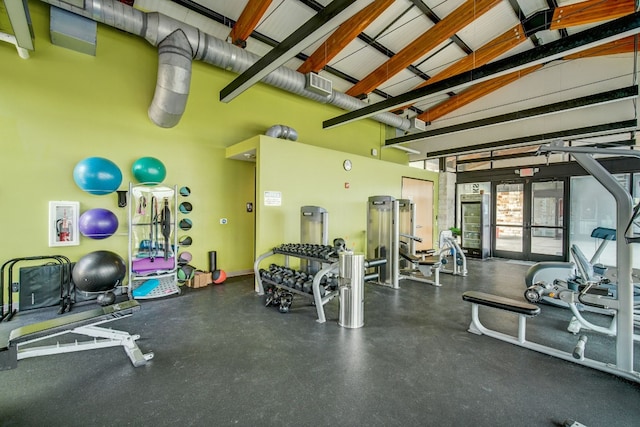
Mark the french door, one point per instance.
(529, 220)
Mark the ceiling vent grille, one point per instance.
(316, 84)
(417, 125)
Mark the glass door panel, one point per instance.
(509, 224)
(547, 218)
(471, 217)
(529, 220)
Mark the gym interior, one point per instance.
(257, 267)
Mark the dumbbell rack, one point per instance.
(329, 265)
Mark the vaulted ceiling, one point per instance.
(391, 49)
(529, 71)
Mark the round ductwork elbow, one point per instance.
(174, 80)
(282, 132)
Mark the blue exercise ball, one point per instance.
(149, 170)
(98, 223)
(99, 271)
(97, 175)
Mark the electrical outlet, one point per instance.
(223, 221)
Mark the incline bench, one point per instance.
(15, 345)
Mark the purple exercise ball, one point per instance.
(98, 223)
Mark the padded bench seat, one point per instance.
(429, 260)
(423, 267)
(502, 303)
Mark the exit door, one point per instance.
(529, 220)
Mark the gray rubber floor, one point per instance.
(223, 358)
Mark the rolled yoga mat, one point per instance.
(213, 262)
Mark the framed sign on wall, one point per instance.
(63, 223)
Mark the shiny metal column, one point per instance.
(351, 277)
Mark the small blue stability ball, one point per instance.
(98, 223)
(149, 170)
(97, 175)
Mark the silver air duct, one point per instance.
(174, 79)
(282, 132)
(167, 108)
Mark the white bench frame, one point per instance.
(476, 327)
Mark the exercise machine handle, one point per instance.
(374, 262)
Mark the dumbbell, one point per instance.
(286, 299)
(277, 277)
(266, 274)
(270, 292)
(332, 282)
(307, 287)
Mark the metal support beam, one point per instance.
(226, 21)
(321, 23)
(435, 19)
(604, 129)
(20, 22)
(572, 104)
(604, 33)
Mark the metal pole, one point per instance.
(351, 276)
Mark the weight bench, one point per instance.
(423, 267)
(522, 309)
(16, 345)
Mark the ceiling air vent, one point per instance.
(316, 84)
(417, 125)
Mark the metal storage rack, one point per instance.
(330, 265)
(152, 249)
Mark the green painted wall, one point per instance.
(61, 106)
(314, 176)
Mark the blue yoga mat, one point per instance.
(145, 288)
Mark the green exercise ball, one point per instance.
(149, 170)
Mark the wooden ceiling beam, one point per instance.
(473, 93)
(454, 22)
(515, 36)
(496, 47)
(590, 11)
(248, 21)
(344, 35)
(626, 45)
(564, 17)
